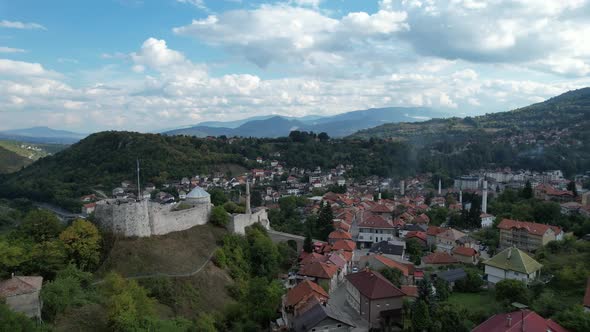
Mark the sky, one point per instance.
(149, 65)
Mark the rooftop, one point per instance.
(373, 285)
(514, 259)
(513, 322)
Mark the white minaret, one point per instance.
(248, 209)
(139, 195)
(439, 187)
(402, 187)
(460, 196)
(484, 197)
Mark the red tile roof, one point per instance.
(531, 227)
(422, 219)
(373, 285)
(304, 290)
(339, 235)
(20, 285)
(411, 291)
(319, 270)
(532, 323)
(346, 245)
(465, 251)
(434, 230)
(416, 234)
(313, 257)
(406, 269)
(374, 221)
(380, 208)
(439, 258)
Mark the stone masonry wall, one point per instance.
(239, 222)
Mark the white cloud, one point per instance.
(197, 3)
(4, 49)
(20, 25)
(11, 67)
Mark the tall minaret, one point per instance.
(139, 195)
(460, 196)
(248, 209)
(484, 197)
(402, 187)
(439, 187)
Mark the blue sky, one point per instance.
(145, 65)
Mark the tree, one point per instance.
(64, 292)
(571, 186)
(323, 137)
(308, 243)
(393, 275)
(41, 225)
(264, 255)
(448, 318)
(46, 259)
(510, 290)
(14, 322)
(82, 244)
(527, 192)
(421, 316)
(218, 197)
(574, 318)
(325, 222)
(11, 257)
(471, 283)
(414, 250)
(443, 290)
(219, 216)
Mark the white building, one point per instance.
(512, 263)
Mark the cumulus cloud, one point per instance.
(20, 25)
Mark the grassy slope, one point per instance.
(174, 253)
(11, 161)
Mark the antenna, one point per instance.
(139, 197)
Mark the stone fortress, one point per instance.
(143, 218)
(146, 218)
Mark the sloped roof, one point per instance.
(451, 234)
(514, 259)
(405, 269)
(452, 275)
(387, 248)
(532, 323)
(374, 221)
(415, 234)
(464, 251)
(411, 291)
(303, 290)
(197, 192)
(433, 230)
(318, 313)
(439, 258)
(373, 285)
(340, 234)
(346, 245)
(319, 270)
(380, 208)
(313, 257)
(19, 285)
(531, 227)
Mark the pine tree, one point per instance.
(527, 192)
(308, 243)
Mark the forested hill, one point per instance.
(569, 111)
(101, 161)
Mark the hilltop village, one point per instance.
(389, 241)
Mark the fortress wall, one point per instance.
(164, 220)
(239, 222)
(128, 219)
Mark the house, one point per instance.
(88, 208)
(381, 210)
(465, 255)
(447, 240)
(373, 229)
(570, 208)
(88, 198)
(323, 318)
(21, 294)
(410, 291)
(487, 220)
(345, 245)
(380, 262)
(323, 273)
(527, 236)
(338, 235)
(418, 236)
(452, 276)
(436, 259)
(511, 263)
(411, 228)
(301, 298)
(389, 249)
(431, 234)
(373, 296)
(522, 321)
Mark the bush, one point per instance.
(219, 216)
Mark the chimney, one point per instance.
(439, 187)
(248, 209)
(484, 198)
(509, 320)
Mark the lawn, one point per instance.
(479, 306)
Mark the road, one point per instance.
(64, 215)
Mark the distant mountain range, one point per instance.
(336, 126)
(41, 135)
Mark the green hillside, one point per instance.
(11, 161)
